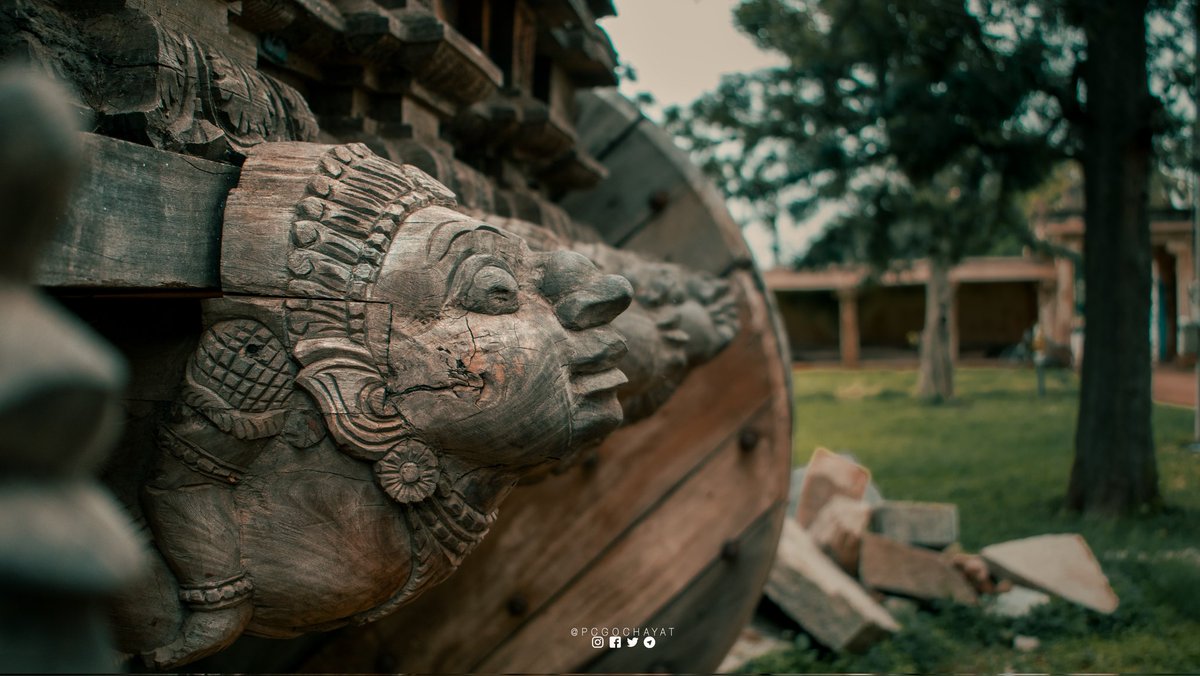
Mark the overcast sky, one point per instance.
(680, 49)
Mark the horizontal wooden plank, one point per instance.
(648, 567)
(140, 218)
(710, 613)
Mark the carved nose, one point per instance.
(583, 297)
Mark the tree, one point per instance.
(927, 117)
(1126, 101)
(1114, 470)
(912, 114)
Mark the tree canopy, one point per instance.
(923, 118)
(926, 119)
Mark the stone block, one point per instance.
(897, 568)
(829, 474)
(1061, 564)
(830, 605)
(928, 524)
(838, 530)
(974, 568)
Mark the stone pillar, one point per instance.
(1047, 313)
(952, 321)
(1064, 302)
(1185, 275)
(1185, 278)
(1156, 310)
(848, 337)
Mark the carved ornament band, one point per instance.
(217, 595)
(197, 459)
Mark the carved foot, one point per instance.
(204, 633)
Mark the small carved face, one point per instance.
(499, 354)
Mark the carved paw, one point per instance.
(204, 633)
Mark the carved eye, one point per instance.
(492, 291)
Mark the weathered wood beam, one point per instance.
(140, 219)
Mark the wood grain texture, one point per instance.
(654, 200)
(311, 521)
(638, 182)
(654, 562)
(561, 547)
(207, 20)
(709, 614)
(156, 77)
(140, 218)
(603, 117)
(586, 509)
(380, 373)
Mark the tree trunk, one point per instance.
(936, 380)
(1114, 470)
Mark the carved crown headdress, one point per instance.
(305, 239)
(318, 220)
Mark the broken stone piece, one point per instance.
(1061, 564)
(829, 474)
(928, 524)
(829, 604)
(897, 568)
(976, 570)
(838, 530)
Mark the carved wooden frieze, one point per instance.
(157, 86)
(382, 370)
(184, 96)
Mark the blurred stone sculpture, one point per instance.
(380, 373)
(65, 545)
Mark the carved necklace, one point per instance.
(443, 528)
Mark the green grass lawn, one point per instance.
(1003, 455)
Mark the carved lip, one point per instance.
(597, 351)
(591, 384)
(596, 409)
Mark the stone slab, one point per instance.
(838, 530)
(1060, 564)
(829, 474)
(829, 604)
(897, 568)
(928, 524)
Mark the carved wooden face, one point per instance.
(498, 354)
